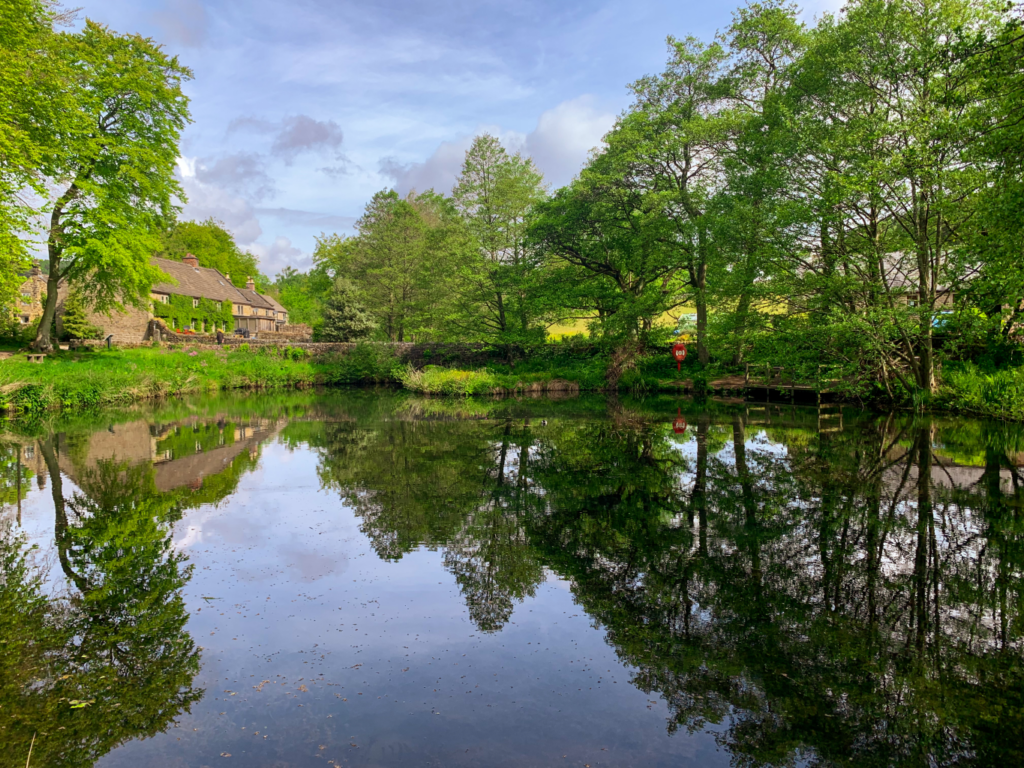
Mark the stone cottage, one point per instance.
(29, 303)
(197, 298)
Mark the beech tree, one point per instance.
(35, 111)
(112, 171)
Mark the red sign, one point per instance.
(679, 425)
(679, 353)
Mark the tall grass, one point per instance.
(999, 394)
(433, 380)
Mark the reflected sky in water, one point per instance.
(372, 579)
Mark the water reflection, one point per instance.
(811, 587)
(103, 656)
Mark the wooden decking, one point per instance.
(765, 382)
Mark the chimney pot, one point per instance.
(191, 260)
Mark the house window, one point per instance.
(26, 296)
(218, 305)
(195, 303)
(164, 299)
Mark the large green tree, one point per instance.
(113, 170)
(403, 261)
(495, 193)
(215, 247)
(35, 111)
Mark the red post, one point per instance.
(679, 353)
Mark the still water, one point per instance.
(366, 579)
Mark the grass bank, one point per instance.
(112, 378)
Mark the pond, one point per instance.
(371, 579)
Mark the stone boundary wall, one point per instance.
(449, 355)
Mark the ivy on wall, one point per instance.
(179, 313)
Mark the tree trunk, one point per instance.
(43, 342)
(702, 328)
(54, 250)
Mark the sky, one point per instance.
(303, 109)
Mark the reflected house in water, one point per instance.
(182, 453)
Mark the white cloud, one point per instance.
(280, 254)
(559, 145)
(564, 136)
(437, 172)
(183, 21)
(206, 200)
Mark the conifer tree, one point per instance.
(76, 324)
(345, 317)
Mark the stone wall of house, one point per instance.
(29, 307)
(126, 327)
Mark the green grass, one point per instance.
(104, 378)
(970, 389)
(100, 378)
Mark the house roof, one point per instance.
(255, 299)
(198, 282)
(275, 303)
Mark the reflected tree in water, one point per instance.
(835, 602)
(455, 484)
(108, 659)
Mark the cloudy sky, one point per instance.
(304, 108)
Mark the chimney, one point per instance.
(250, 284)
(36, 271)
(191, 260)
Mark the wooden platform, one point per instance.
(766, 387)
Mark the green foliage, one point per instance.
(345, 318)
(179, 313)
(215, 248)
(368, 363)
(996, 393)
(33, 112)
(303, 294)
(74, 321)
(494, 194)
(403, 261)
(112, 169)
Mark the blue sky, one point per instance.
(303, 109)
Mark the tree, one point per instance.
(303, 294)
(34, 112)
(76, 324)
(882, 104)
(403, 261)
(215, 248)
(345, 318)
(494, 193)
(113, 170)
(606, 253)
